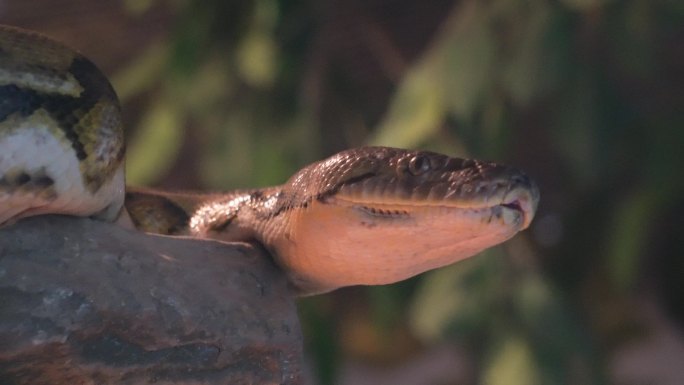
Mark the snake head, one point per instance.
(371, 178)
(377, 215)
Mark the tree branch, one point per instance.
(85, 302)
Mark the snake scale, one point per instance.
(370, 215)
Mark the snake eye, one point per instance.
(419, 164)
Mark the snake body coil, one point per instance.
(370, 215)
(61, 141)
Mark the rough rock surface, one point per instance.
(85, 302)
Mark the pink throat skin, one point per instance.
(341, 243)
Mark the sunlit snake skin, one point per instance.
(370, 215)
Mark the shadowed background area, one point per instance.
(585, 95)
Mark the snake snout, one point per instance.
(523, 196)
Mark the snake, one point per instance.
(363, 216)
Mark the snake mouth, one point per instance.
(516, 208)
(515, 205)
(515, 214)
(523, 204)
(507, 197)
(513, 209)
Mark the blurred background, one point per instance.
(587, 96)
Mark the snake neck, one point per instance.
(240, 215)
(260, 215)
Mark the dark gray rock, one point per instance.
(86, 302)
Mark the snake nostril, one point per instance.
(520, 179)
(22, 179)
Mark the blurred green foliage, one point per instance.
(584, 94)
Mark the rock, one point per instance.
(86, 302)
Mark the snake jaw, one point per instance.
(399, 214)
(343, 243)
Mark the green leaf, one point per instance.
(528, 74)
(470, 57)
(256, 58)
(451, 77)
(512, 363)
(630, 232)
(143, 73)
(416, 109)
(155, 145)
(257, 52)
